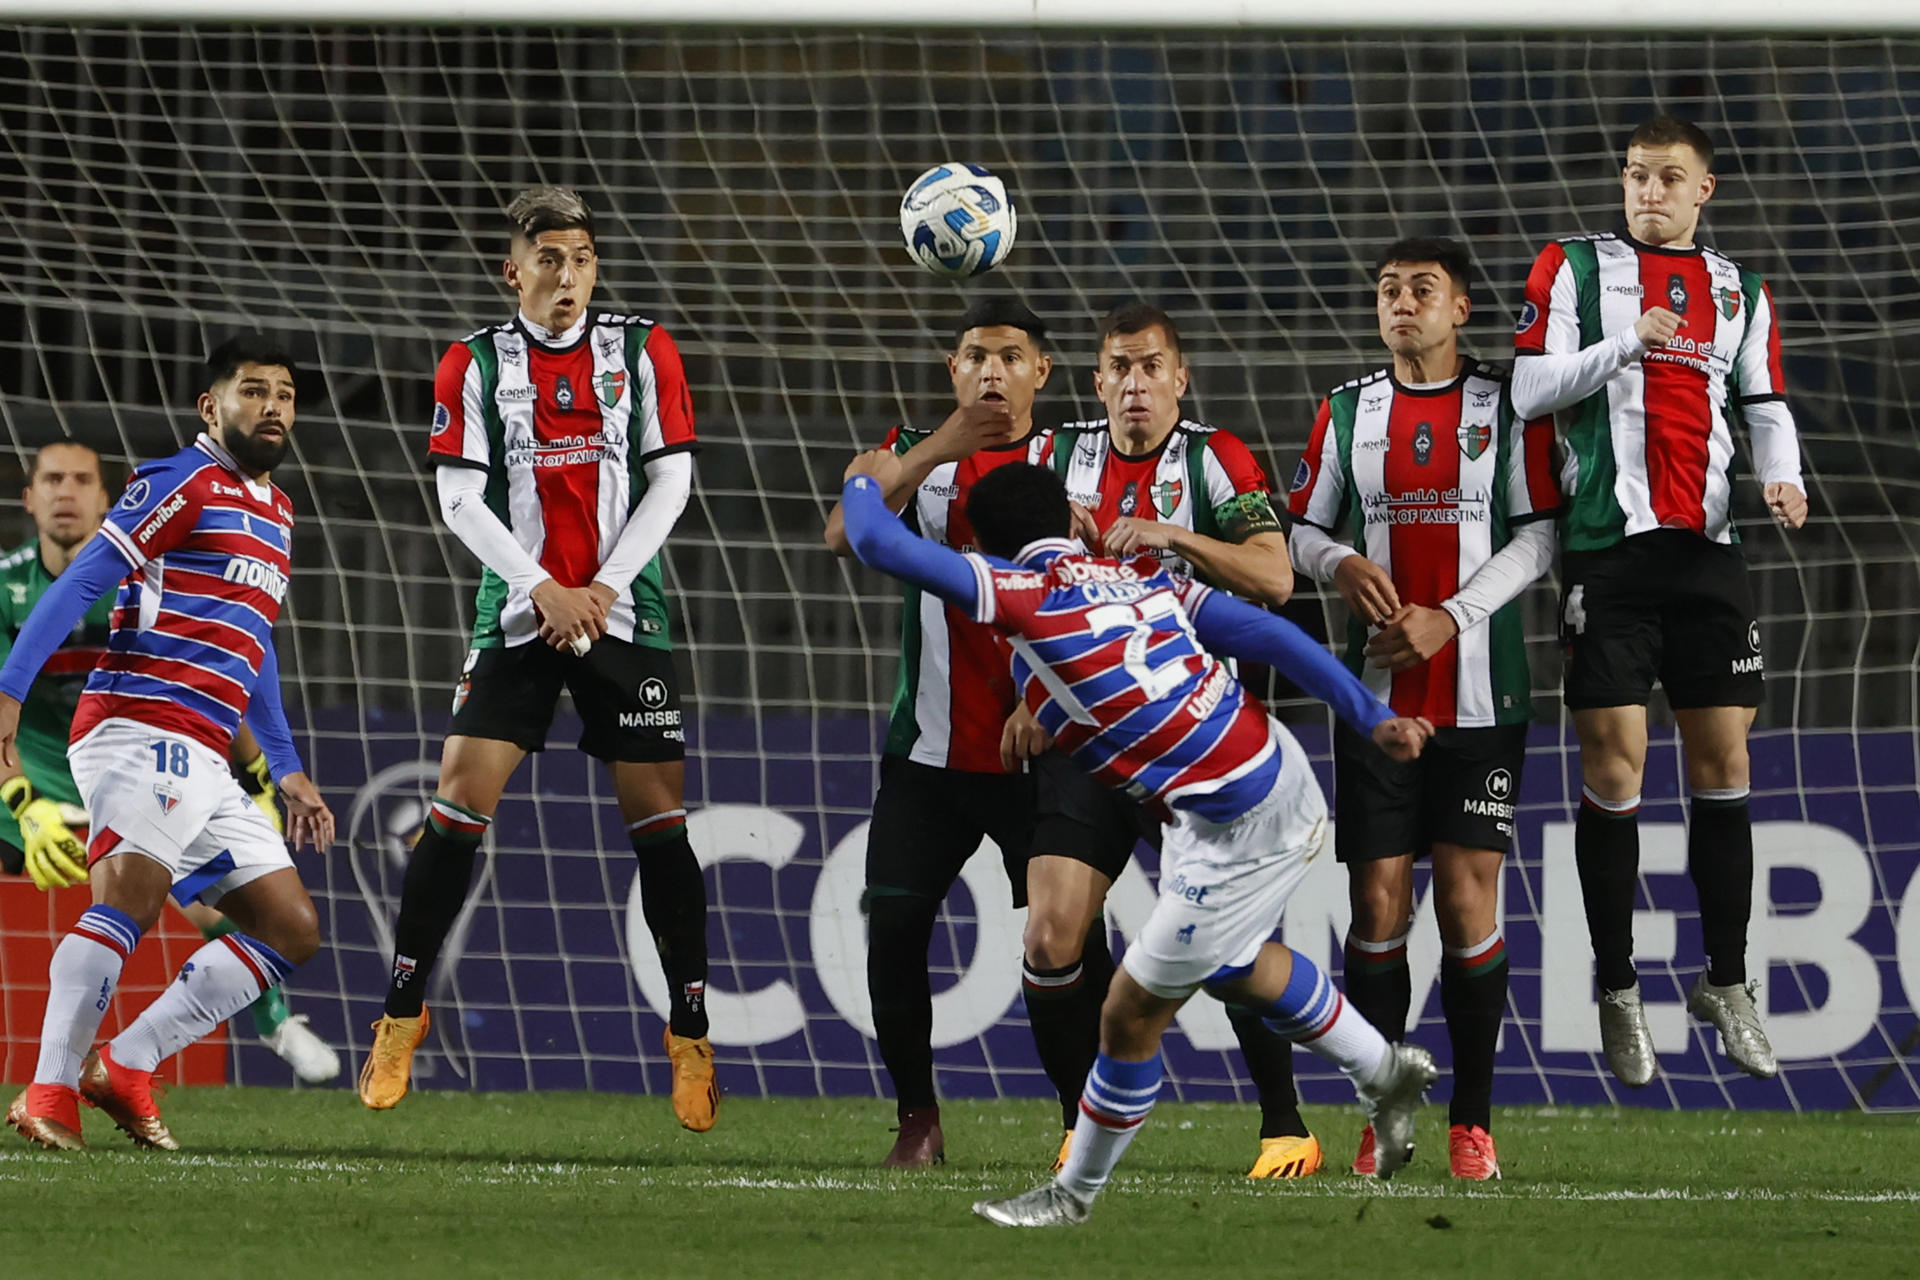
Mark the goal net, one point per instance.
(164, 185)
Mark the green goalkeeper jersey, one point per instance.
(47, 715)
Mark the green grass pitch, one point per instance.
(563, 1186)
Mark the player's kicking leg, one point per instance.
(289, 1036)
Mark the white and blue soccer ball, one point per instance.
(957, 220)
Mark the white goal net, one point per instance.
(164, 185)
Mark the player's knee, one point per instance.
(1379, 908)
(1721, 770)
(1611, 773)
(1053, 942)
(294, 932)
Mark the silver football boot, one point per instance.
(1390, 1100)
(1730, 1009)
(1625, 1037)
(1047, 1205)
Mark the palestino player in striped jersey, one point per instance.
(1150, 481)
(1647, 346)
(943, 783)
(1110, 658)
(199, 545)
(1427, 502)
(42, 828)
(562, 446)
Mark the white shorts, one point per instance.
(1224, 885)
(174, 800)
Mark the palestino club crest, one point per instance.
(1729, 301)
(1474, 439)
(1166, 497)
(610, 387)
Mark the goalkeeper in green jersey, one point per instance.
(42, 826)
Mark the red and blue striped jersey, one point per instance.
(207, 548)
(1107, 660)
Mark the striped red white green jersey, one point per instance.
(563, 432)
(955, 689)
(1200, 478)
(1652, 449)
(1428, 484)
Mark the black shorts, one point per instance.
(1462, 790)
(928, 821)
(627, 695)
(1082, 818)
(1668, 606)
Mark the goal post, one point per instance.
(331, 173)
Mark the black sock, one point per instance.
(1270, 1064)
(1379, 984)
(1473, 995)
(899, 932)
(1063, 1010)
(673, 896)
(1720, 861)
(1606, 849)
(439, 873)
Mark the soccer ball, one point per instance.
(957, 220)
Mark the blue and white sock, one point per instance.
(1117, 1098)
(80, 981)
(216, 982)
(1312, 1012)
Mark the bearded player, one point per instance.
(1152, 481)
(943, 781)
(1427, 502)
(562, 445)
(42, 827)
(199, 544)
(1110, 660)
(1648, 347)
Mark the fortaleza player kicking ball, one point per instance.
(199, 546)
(1113, 661)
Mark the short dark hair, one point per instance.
(1450, 254)
(539, 209)
(33, 463)
(1666, 130)
(1138, 317)
(1003, 312)
(244, 348)
(1016, 505)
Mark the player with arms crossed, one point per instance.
(42, 826)
(1110, 660)
(943, 783)
(1648, 347)
(562, 446)
(201, 540)
(1147, 480)
(1427, 501)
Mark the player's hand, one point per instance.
(309, 818)
(1131, 536)
(569, 612)
(1022, 738)
(1403, 736)
(1084, 527)
(1367, 588)
(9, 727)
(882, 464)
(974, 427)
(257, 780)
(1788, 504)
(55, 857)
(1656, 328)
(1412, 636)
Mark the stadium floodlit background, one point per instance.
(338, 187)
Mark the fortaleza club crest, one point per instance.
(1728, 301)
(1166, 497)
(611, 386)
(1474, 439)
(168, 798)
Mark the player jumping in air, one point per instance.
(943, 783)
(1427, 501)
(42, 826)
(1110, 659)
(1648, 347)
(201, 541)
(1150, 481)
(562, 444)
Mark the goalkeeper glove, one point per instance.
(257, 778)
(55, 857)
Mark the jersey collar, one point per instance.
(1044, 551)
(547, 337)
(213, 449)
(1691, 251)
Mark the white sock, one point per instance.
(216, 982)
(1117, 1098)
(80, 981)
(1312, 1012)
